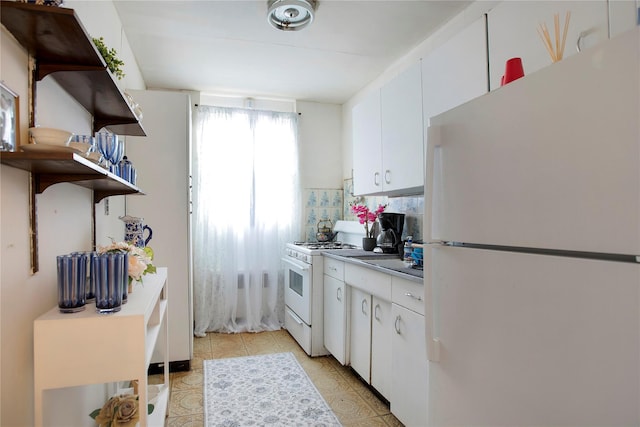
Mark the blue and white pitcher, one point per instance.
(134, 229)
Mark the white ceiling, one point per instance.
(228, 47)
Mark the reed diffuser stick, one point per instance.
(556, 50)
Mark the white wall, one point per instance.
(64, 219)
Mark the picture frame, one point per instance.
(9, 123)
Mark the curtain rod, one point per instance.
(197, 105)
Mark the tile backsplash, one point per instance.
(320, 204)
(333, 204)
(411, 207)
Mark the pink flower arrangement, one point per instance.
(365, 216)
(140, 259)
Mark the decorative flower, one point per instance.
(140, 259)
(119, 411)
(365, 216)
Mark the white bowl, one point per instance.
(82, 147)
(50, 136)
(95, 157)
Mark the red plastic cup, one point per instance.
(513, 70)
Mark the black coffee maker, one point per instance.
(390, 237)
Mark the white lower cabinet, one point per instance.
(84, 348)
(409, 357)
(360, 333)
(381, 336)
(370, 326)
(335, 310)
(386, 335)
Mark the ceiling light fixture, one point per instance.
(291, 15)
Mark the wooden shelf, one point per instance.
(53, 168)
(55, 37)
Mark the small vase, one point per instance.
(368, 243)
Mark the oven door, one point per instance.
(297, 288)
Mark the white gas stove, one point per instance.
(304, 290)
(305, 250)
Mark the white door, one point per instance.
(409, 367)
(532, 339)
(335, 318)
(381, 334)
(162, 160)
(360, 334)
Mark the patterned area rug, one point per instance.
(266, 390)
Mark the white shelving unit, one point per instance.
(77, 349)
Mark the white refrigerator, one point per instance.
(532, 208)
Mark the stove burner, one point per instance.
(325, 245)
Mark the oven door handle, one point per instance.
(297, 264)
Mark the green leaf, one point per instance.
(94, 414)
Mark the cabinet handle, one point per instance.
(396, 325)
(410, 295)
(364, 307)
(387, 176)
(375, 312)
(339, 294)
(376, 179)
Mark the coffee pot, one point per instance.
(134, 229)
(390, 237)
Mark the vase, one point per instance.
(368, 243)
(71, 282)
(109, 282)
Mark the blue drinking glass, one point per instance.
(71, 282)
(109, 282)
(125, 278)
(106, 144)
(90, 286)
(116, 155)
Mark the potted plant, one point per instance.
(110, 57)
(366, 216)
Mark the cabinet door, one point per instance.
(409, 367)
(381, 336)
(367, 148)
(623, 16)
(402, 132)
(335, 318)
(455, 72)
(360, 334)
(512, 31)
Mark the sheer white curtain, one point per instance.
(246, 208)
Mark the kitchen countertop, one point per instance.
(353, 256)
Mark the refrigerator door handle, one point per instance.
(432, 343)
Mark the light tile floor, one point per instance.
(348, 396)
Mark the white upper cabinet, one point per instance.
(388, 154)
(367, 145)
(513, 31)
(402, 133)
(623, 16)
(455, 72)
